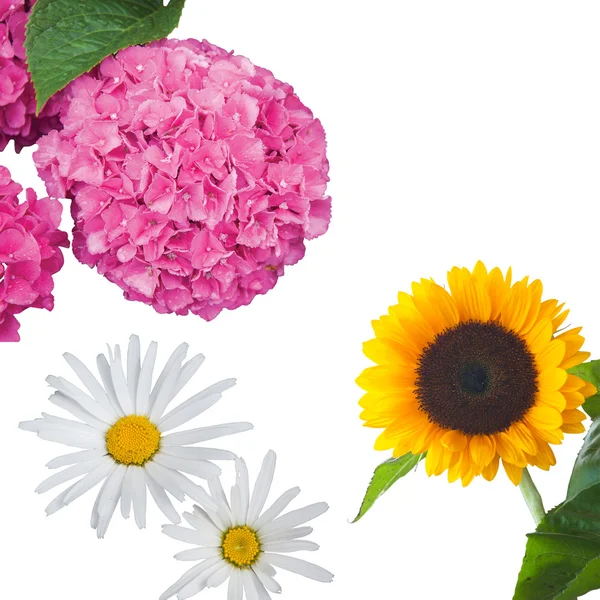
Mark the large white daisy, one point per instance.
(122, 431)
(239, 542)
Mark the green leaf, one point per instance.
(386, 474)
(562, 559)
(590, 371)
(66, 38)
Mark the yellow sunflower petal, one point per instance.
(588, 390)
(543, 417)
(386, 379)
(454, 440)
(509, 450)
(572, 384)
(423, 439)
(573, 428)
(552, 436)
(490, 471)
(555, 400)
(435, 304)
(544, 459)
(573, 399)
(516, 307)
(514, 473)
(539, 336)
(551, 356)
(384, 351)
(483, 449)
(521, 435)
(383, 442)
(472, 300)
(535, 290)
(552, 379)
(576, 359)
(573, 416)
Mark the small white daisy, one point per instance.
(240, 542)
(122, 431)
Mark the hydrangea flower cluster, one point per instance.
(17, 98)
(196, 177)
(30, 253)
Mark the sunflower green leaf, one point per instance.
(590, 371)
(386, 474)
(562, 558)
(66, 39)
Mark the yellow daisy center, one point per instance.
(133, 440)
(240, 546)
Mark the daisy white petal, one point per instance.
(291, 546)
(145, 382)
(200, 521)
(164, 478)
(109, 386)
(198, 554)
(198, 453)
(188, 370)
(139, 495)
(108, 500)
(262, 486)
(92, 479)
(58, 502)
(89, 381)
(296, 517)
(267, 580)
(200, 468)
(65, 475)
(189, 575)
(242, 552)
(60, 400)
(191, 536)
(84, 400)
(300, 567)
(169, 376)
(127, 493)
(74, 458)
(119, 431)
(120, 384)
(133, 367)
(243, 483)
(277, 507)
(282, 535)
(236, 587)
(220, 577)
(162, 500)
(195, 406)
(203, 434)
(264, 567)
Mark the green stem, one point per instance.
(532, 497)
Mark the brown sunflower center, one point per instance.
(477, 378)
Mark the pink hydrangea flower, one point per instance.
(196, 177)
(30, 253)
(17, 97)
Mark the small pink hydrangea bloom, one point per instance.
(195, 176)
(17, 97)
(30, 253)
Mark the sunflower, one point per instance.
(474, 376)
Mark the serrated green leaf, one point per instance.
(386, 474)
(590, 371)
(562, 559)
(66, 38)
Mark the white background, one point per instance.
(457, 131)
